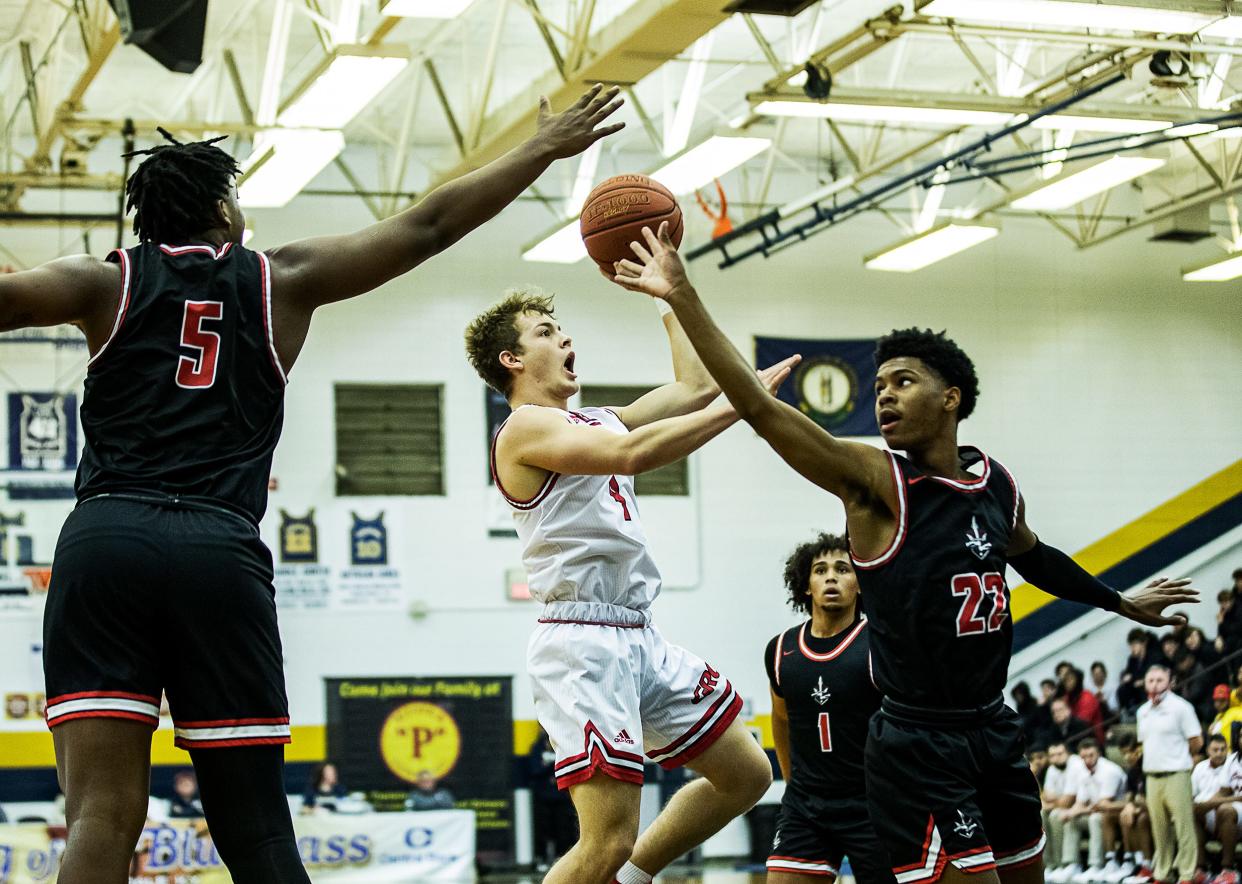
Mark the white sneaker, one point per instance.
(1064, 874)
(1090, 875)
(1120, 872)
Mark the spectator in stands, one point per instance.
(1057, 797)
(1216, 813)
(1103, 689)
(1170, 648)
(1170, 733)
(1082, 703)
(1197, 644)
(1037, 757)
(1130, 690)
(1190, 681)
(1065, 727)
(1026, 707)
(185, 802)
(1041, 718)
(3, 818)
(1228, 706)
(1134, 820)
(324, 790)
(1101, 791)
(1229, 618)
(428, 794)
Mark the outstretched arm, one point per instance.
(1057, 574)
(692, 389)
(320, 270)
(850, 470)
(542, 438)
(81, 291)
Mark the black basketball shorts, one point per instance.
(952, 792)
(813, 834)
(154, 596)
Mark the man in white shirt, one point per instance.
(1058, 795)
(1169, 731)
(1216, 808)
(1101, 784)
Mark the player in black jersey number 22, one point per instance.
(160, 581)
(823, 698)
(931, 534)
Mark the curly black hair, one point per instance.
(939, 353)
(173, 194)
(798, 567)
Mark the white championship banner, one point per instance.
(377, 848)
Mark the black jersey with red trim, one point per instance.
(186, 397)
(941, 634)
(830, 698)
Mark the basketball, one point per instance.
(616, 212)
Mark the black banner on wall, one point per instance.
(385, 734)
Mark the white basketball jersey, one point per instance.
(582, 540)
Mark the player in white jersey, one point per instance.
(608, 688)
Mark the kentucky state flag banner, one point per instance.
(833, 385)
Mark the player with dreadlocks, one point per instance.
(161, 582)
(931, 533)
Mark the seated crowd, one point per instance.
(1140, 781)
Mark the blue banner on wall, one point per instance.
(833, 385)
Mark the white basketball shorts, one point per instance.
(610, 694)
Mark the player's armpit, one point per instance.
(80, 290)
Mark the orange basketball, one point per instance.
(616, 212)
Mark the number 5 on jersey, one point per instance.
(199, 371)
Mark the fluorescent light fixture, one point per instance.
(283, 162)
(1071, 189)
(704, 162)
(882, 113)
(949, 116)
(1189, 130)
(425, 8)
(342, 86)
(927, 248)
(1119, 125)
(565, 246)
(1220, 269)
(1073, 13)
(1229, 28)
(1234, 130)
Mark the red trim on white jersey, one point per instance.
(265, 284)
(972, 485)
(835, 652)
(903, 521)
(122, 306)
(593, 623)
(517, 503)
(792, 864)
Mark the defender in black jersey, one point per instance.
(823, 697)
(160, 581)
(931, 533)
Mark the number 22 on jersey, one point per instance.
(971, 588)
(199, 371)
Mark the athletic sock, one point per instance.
(632, 874)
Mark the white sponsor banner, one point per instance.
(378, 848)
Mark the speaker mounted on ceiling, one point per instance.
(170, 32)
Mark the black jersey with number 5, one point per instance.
(186, 396)
(830, 698)
(941, 634)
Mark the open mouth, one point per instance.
(569, 363)
(888, 420)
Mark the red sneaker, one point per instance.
(1226, 876)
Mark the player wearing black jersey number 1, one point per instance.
(931, 533)
(823, 697)
(160, 580)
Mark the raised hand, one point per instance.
(1146, 604)
(661, 271)
(774, 375)
(577, 128)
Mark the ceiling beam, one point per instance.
(649, 34)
